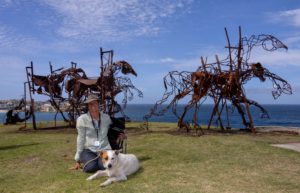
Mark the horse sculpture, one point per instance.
(223, 81)
(106, 83)
(77, 85)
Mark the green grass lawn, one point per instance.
(38, 161)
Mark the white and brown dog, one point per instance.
(117, 166)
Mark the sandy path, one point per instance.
(291, 130)
(292, 146)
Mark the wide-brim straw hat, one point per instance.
(91, 97)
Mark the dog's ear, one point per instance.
(101, 153)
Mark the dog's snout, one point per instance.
(109, 165)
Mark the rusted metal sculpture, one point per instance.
(107, 86)
(77, 85)
(223, 81)
(12, 115)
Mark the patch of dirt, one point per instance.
(31, 160)
(58, 129)
(197, 133)
(273, 130)
(278, 129)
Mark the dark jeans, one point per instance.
(90, 166)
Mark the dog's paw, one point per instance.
(107, 182)
(103, 184)
(90, 178)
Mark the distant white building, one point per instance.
(47, 108)
(3, 106)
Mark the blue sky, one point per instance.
(155, 37)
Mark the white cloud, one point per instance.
(6, 40)
(192, 64)
(180, 64)
(291, 57)
(5, 3)
(291, 17)
(12, 41)
(167, 60)
(283, 58)
(187, 64)
(113, 19)
(293, 42)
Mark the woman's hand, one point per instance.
(76, 166)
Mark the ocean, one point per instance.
(280, 115)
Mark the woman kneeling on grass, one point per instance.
(92, 129)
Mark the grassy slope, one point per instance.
(38, 161)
